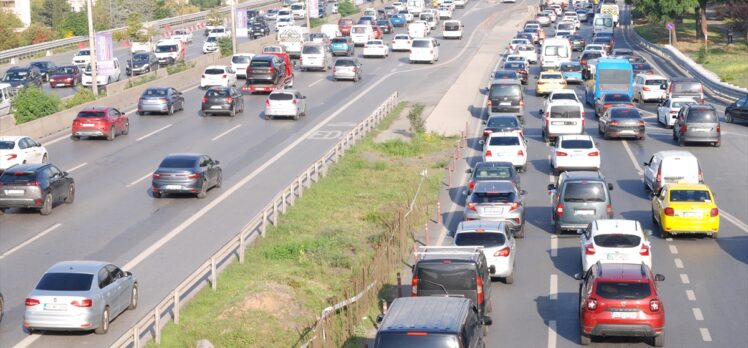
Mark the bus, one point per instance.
(612, 75)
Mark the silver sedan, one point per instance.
(80, 296)
(497, 201)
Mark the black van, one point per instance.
(453, 271)
(505, 96)
(426, 322)
(686, 87)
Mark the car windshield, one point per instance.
(625, 113)
(84, 53)
(91, 114)
(591, 55)
(404, 339)
(155, 92)
(514, 66)
(421, 44)
(623, 290)
(312, 49)
(690, 196)
(15, 75)
(452, 276)
(577, 144)
(702, 116)
(502, 122)
(212, 39)
(178, 162)
(451, 26)
(402, 37)
(570, 67)
(504, 90)
(493, 173)
(493, 197)
(655, 82)
(487, 240)
(166, 48)
(65, 71)
(241, 59)
(551, 77)
(504, 141)
(214, 71)
(280, 96)
(617, 240)
(345, 62)
(65, 282)
(140, 58)
(584, 192)
(505, 75)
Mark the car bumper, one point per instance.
(452, 34)
(74, 322)
(58, 83)
(20, 202)
(679, 225)
(400, 48)
(584, 164)
(625, 133)
(653, 95)
(153, 107)
(136, 71)
(503, 266)
(575, 78)
(507, 109)
(217, 109)
(623, 330)
(287, 112)
(89, 132)
(699, 138)
(517, 162)
(192, 186)
(371, 53)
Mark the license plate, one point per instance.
(13, 192)
(623, 315)
(617, 257)
(692, 214)
(627, 131)
(173, 187)
(584, 212)
(55, 307)
(505, 103)
(87, 125)
(215, 107)
(701, 129)
(493, 210)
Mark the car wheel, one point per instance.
(133, 297)
(728, 118)
(141, 113)
(718, 143)
(557, 229)
(126, 131)
(171, 110)
(111, 134)
(46, 205)
(664, 234)
(203, 190)
(70, 198)
(232, 113)
(585, 340)
(104, 325)
(157, 194)
(75, 137)
(296, 116)
(659, 340)
(45, 159)
(219, 181)
(521, 233)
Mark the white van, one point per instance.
(671, 166)
(563, 117)
(292, 38)
(315, 56)
(169, 51)
(102, 78)
(554, 52)
(424, 50)
(452, 29)
(602, 24)
(6, 95)
(298, 10)
(418, 29)
(361, 34)
(331, 30)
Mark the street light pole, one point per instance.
(92, 48)
(233, 25)
(308, 20)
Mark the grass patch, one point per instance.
(137, 81)
(310, 258)
(179, 67)
(315, 22)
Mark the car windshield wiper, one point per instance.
(573, 199)
(437, 284)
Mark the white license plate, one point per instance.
(14, 192)
(700, 129)
(623, 315)
(215, 107)
(584, 212)
(55, 307)
(87, 125)
(493, 210)
(628, 131)
(617, 257)
(173, 187)
(692, 214)
(505, 104)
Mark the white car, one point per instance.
(218, 75)
(182, 35)
(543, 19)
(452, 29)
(448, 3)
(298, 10)
(283, 21)
(219, 32)
(667, 112)
(529, 52)
(517, 42)
(407, 15)
(19, 150)
(498, 244)
(210, 45)
(572, 17)
(517, 58)
(596, 48)
(506, 147)
(560, 94)
(376, 48)
(614, 241)
(424, 50)
(82, 58)
(285, 103)
(401, 42)
(575, 152)
(444, 12)
(551, 14)
(240, 62)
(460, 3)
(650, 87)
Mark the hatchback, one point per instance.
(190, 173)
(385, 26)
(501, 123)
(649, 87)
(141, 63)
(80, 296)
(100, 122)
(401, 43)
(161, 100)
(492, 171)
(614, 241)
(497, 201)
(574, 152)
(620, 122)
(667, 111)
(498, 244)
(697, 123)
(36, 186)
(45, 68)
(609, 100)
(285, 103)
(218, 75)
(342, 46)
(376, 48)
(506, 147)
(348, 68)
(577, 42)
(69, 75)
(521, 68)
(222, 100)
(20, 150)
(578, 199)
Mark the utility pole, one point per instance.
(92, 48)
(308, 20)
(233, 25)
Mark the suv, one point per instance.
(505, 96)
(36, 186)
(141, 63)
(620, 299)
(614, 241)
(497, 201)
(421, 322)
(100, 122)
(453, 271)
(686, 87)
(492, 171)
(23, 76)
(697, 123)
(498, 244)
(580, 198)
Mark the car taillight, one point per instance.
(614, 123)
(193, 176)
(84, 303)
(658, 178)
(654, 305)
(591, 304)
(471, 185)
(30, 302)
(589, 249)
(719, 129)
(669, 211)
(488, 153)
(514, 206)
(164, 100)
(714, 212)
(203, 76)
(560, 210)
(229, 100)
(644, 251)
(414, 286)
(487, 132)
(224, 76)
(701, 175)
(471, 206)
(561, 153)
(605, 106)
(267, 102)
(646, 89)
(479, 289)
(523, 72)
(520, 153)
(11, 156)
(641, 123)
(583, 62)
(609, 210)
(503, 252)
(205, 99)
(156, 175)
(593, 154)
(293, 102)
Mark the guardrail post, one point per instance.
(264, 223)
(301, 186)
(241, 247)
(135, 337)
(156, 324)
(213, 274)
(284, 203)
(275, 213)
(176, 306)
(336, 157)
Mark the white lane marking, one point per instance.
(554, 246)
(554, 287)
(735, 221)
(191, 88)
(684, 278)
(77, 167)
(30, 240)
(673, 249)
(56, 140)
(705, 334)
(632, 157)
(678, 263)
(552, 334)
(669, 239)
(154, 132)
(697, 314)
(226, 132)
(139, 180)
(316, 82)
(690, 295)
(393, 70)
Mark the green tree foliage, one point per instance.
(53, 12)
(225, 46)
(206, 4)
(32, 103)
(347, 8)
(37, 33)
(665, 10)
(164, 9)
(74, 24)
(8, 39)
(83, 95)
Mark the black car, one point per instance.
(737, 110)
(577, 42)
(501, 123)
(141, 63)
(642, 68)
(618, 122)
(45, 68)
(190, 173)
(385, 26)
(35, 186)
(492, 171)
(258, 29)
(23, 76)
(222, 100)
(520, 68)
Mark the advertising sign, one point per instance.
(241, 23)
(104, 54)
(313, 8)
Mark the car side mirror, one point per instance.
(648, 232)
(646, 164)
(551, 187)
(580, 231)
(540, 111)
(492, 269)
(610, 186)
(65, 174)
(128, 273)
(469, 171)
(578, 276)
(659, 277)
(537, 77)
(380, 318)
(481, 141)
(486, 321)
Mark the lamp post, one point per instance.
(92, 49)
(308, 20)
(233, 26)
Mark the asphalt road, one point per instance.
(114, 217)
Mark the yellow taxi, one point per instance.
(684, 209)
(549, 81)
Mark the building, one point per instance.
(20, 8)
(78, 5)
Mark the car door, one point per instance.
(178, 98)
(663, 111)
(36, 149)
(107, 290)
(659, 203)
(26, 154)
(57, 183)
(120, 289)
(301, 102)
(742, 108)
(207, 168)
(650, 171)
(118, 119)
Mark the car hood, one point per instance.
(138, 64)
(61, 76)
(17, 83)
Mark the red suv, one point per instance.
(100, 122)
(618, 299)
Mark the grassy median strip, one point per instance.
(311, 256)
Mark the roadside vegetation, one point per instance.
(319, 249)
(32, 103)
(347, 8)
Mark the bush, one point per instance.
(83, 95)
(417, 123)
(225, 46)
(178, 67)
(347, 8)
(32, 103)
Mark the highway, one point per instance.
(114, 217)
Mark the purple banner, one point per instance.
(313, 8)
(241, 23)
(104, 49)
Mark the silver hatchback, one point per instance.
(80, 296)
(285, 103)
(498, 201)
(697, 123)
(347, 68)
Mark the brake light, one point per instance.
(560, 210)
(669, 211)
(471, 206)
(503, 252)
(224, 76)
(659, 174)
(205, 99)
(471, 185)
(605, 106)
(417, 333)
(12, 156)
(591, 304)
(414, 286)
(488, 153)
(229, 100)
(609, 210)
(84, 303)
(514, 206)
(30, 302)
(719, 129)
(641, 123)
(193, 176)
(293, 102)
(583, 61)
(156, 175)
(561, 153)
(614, 123)
(654, 305)
(594, 154)
(644, 251)
(589, 249)
(714, 212)
(701, 176)
(164, 100)
(520, 153)
(479, 289)
(487, 132)
(646, 89)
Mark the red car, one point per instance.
(100, 122)
(377, 32)
(345, 24)
(69, 75)
(617, 299)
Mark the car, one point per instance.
(620, 122)
(218, 75)
(219, 32)
(222, 100)
(504, 75)
(518, 42)
(498, 244)
(623, 52)
(582, 15)
(45, 68)
(697, 123)
(397, 20)
(444, 12)
(342, 46)
(549, 81)
(577, 43)
(562, 116)
(543, 19)
(501, 123)
(671, 166)
(506, 147)
(405, 13)
(19, 77)
(347, 68)
(210, 45)
(240, 62)
(20, 150)
(97, 121)
(285, 103)
(68, 75)
(551, 14)
(424, 50)
(588, 59)
(578, 198)
(271, 13)
(189, 173)
(141, 63)
(737, 111)
(559, 94)
(574, 152)
(505, 96)
(320, 38)
(528, 52)
(345, 24)
(614, 241)
(682, 209)
(572, 72)
(517, 58)
(103, 77)
(40, 186)
(270, 49)
(315, 56)
(497, 201)
(686, 87)
(258, 29)
(642, 68)
(621, 299)
(605, 42)
(80, 296)
(161, 100)
(283, 21)
(609, 100)
(521, 68)
(452, 29)
(385, 25)
(667, 111)
(593, 47)
(401, 43)
(182, 35)
(82, 57)
(648, 87)
(491, 172)
(376, 48)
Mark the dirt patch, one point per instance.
(399, 129)
(276, 299)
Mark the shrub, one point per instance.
(417, 123)
(347, 8)
(32, 103)
(226, 47)
(178, 67)
(83, 95)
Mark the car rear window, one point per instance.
(505, 74)
(359, 30)
(451, 26)
(480, 238)
(91, 114)
(617, 98)
(65, 71)
(690, 196)
(155, 92)
(655, 82)
(421, 43)
(264, 63)
(551, 76)
(565, 111)
(339, 40)
(584, 192)
(11, 176)
(417, 340)
(504, 90)
(7, 145)
(65, 282)
(450, 275)
(178, 162)
(241, 59)
(504, 141)
(280, 96)
(214, 71)
(617, 240)
(497, 173)
(217, 93)
(312, 49)
(344, 62)
(680, 104)
(564, 96)
(625, 113)
(702, 116)
(592, 55)
(623, 290)
(345, 21)
(502, 122)
(686, 87)
(577, 144)
(514, 66)
(493, 197)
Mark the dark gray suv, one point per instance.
(697, 123)
(578, 199)
(36, 186)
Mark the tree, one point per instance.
(164, 9)
(74, 24)
(206, 4)
(53, 12)
(665, 10)
(8, 39)
(37, 33)
(214, 18)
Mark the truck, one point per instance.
(169, 51)
(610, 9)
(292, 38)
(612, 75)
(269, 72)
(416, 7)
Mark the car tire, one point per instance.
(70, 198)
(104, 325)
(664, 234)
(557, 229)
(157, 195)
(585, 340)
(659, 340)
(296, 117)
(728, 118)
(45, 158)
(126, 131)
(219, 181)
(111, 134)
(521, 233)
(203, 190)
(46, 205)
(171, 110)
(75, 137)
(133, 297)
(141, 113)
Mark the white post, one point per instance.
(308, 20)
(92, 44)
(233, 25)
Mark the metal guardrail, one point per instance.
(26, 51)
(150, 326)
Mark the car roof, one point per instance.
(563, 102)
(494, 186)
(622, 271)
(686, 186)
(11, 137)
(673, 153)
(16, 68)
(96, 108)
(494, 164)
(617, 226)
(185, 155)
(506, 81)
(91, 267)
(575, 137)
(426, 314)
(26, 167)
(683, 79)
(476, 225)
(583, 175)
(216, 67)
